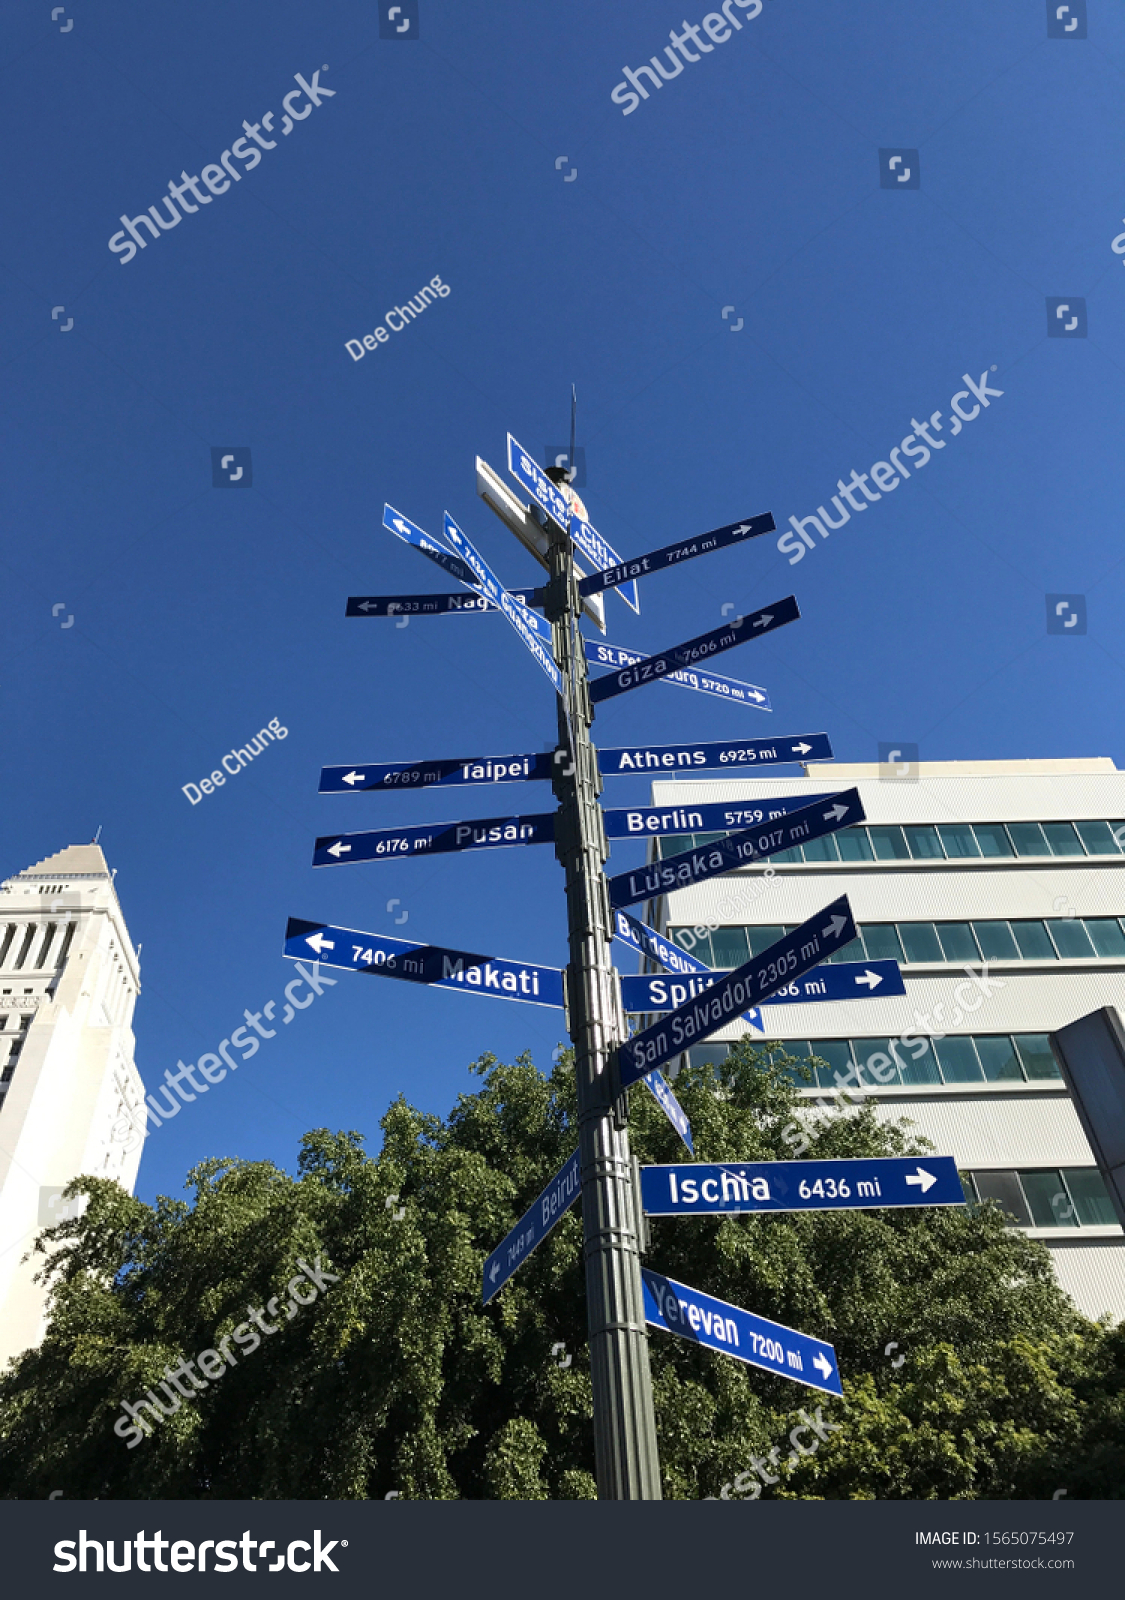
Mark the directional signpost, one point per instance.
(437, 838)
(852, 1185)
(620, 1302)
(755, 1340)
(646, 993)
(601, 654)
(693, 651)
(827, 815)
(671, 956)
(533, 1227)
(807, 946)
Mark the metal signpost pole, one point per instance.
(627, 1463)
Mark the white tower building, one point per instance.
(1020, 864)
(68, 983)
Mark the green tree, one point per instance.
(396, 1380)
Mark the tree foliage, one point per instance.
(397, 1381)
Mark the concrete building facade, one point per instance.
(1017, 864)
(69, 980)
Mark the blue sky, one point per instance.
(751, 180)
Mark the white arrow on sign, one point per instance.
(353, 777)
(765, 618)
(802, 749)
(870, 980)
(743, 527)
(365, 605)
(495, 1273)
(835, 814)
(319, 943)
(834, 927)
(757, 696)
(923, 1180)
(823, 1367)
(339, 849)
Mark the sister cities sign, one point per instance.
(814, 941)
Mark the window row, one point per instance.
(1019, 939)
(943, 841)
(958, 1058)
(1070, 1197)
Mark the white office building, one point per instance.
(68, 983)
(1013, 863)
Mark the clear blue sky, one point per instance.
(752, 180)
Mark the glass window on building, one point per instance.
(882, 942)
(1098, 838)
(958, 839)
(996, 942)
(957, 941)
(999, 1060)
(1034, 941)
(993, 839)
(889, 844)
(730, 947)
(821, 849)
(917, 1062)
(789, 858)
(957, 1057)
(920, 941)
(706, 1055)
(761, 938)
(854, 845)
(850, 952)
(1062, 839)
(1071, 939)
(1004, 1188)
(924, 844)
(1028, 839)
(1035, 1054)
(1048, 1201)
(836, 1057)
(878, 1061)
(673, 844)
(1090, 1196)
(1106, 936)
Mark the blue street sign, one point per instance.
(599, 654)
(693, 651)
(649, 992)
(630, 930)
(427, 605)
(436, 838)
(755, 1340)
(673, 555)
(533, 630)
(601, 553)
(826, 815)
(526, 470)
(397, 775)
(807, 946)
(412, 534)
(661, 1091)
(532, 1228)
(734, 756)
(852, 1185)
(431, 964)
(723, 816)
